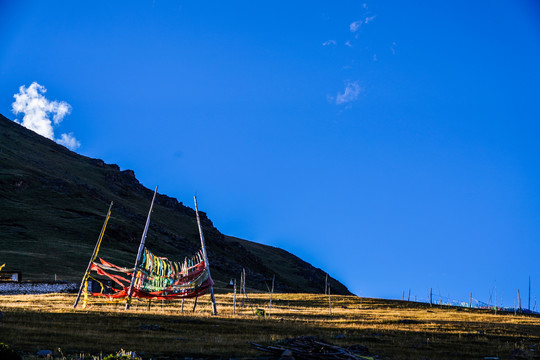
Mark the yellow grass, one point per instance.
(390, 329)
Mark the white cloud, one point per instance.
(393, 48)
(369, 19)
(348, 43)
(355, 26)
(351, 92)
(69, 141)
(37, 110)
(329, 42)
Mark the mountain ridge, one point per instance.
(53, 203)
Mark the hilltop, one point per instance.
(53, 203)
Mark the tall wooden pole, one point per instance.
(326, 284)
(330, 303)
(529, 307)
(243, 286)
(94, 255)
(271, 293)
(234, 299)
(495, 298)
(214, 310)
(139, 253)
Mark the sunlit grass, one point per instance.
(392, 329)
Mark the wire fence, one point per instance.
(438, 299)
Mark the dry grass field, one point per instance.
(389, 329)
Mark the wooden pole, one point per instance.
(409, 298)
(214, 310)
(148, 307)
(470, 300)
(271, 293)
(182, 308)
(519, 301)
(529, 307)
(139, 253)
(234, 298)
(330, 303)
(430, 296)
(495, 298)
(326, 285)
(243, 286)
(94, 255)
(195, 305)
(240, 288)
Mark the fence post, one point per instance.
(234, 299)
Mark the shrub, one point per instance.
(123, 355)
(7, 354)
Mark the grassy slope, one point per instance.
(389, 329)
(52, 206)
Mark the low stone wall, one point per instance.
(20, 288)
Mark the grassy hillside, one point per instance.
(53, 203)
(389, 329)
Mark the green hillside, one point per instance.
(53, 203)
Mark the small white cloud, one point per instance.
(369, 19)
(351, 92)
(61, 110)
(331, 99)
(364, 5)
(69, 141)
(329, 42)
(348, 43)
(375, 57)
(393, 48)
(37, 110)
(355, 26)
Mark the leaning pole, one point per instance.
(94, 255)
(141, 248)
(214, 310)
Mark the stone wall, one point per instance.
(13, 288)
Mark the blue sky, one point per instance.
(393, 144)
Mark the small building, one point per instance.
(15, 276)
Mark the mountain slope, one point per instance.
(53, 203)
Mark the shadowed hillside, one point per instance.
(53, 203)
